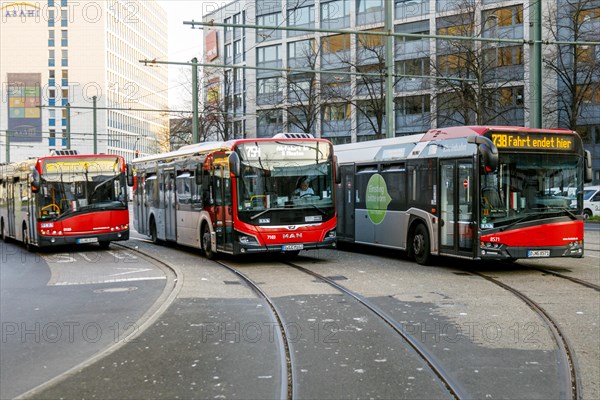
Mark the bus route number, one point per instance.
(252, 151)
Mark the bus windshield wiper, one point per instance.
(319, 209)
(566, 211)
(264, 212)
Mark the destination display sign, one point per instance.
(80, 166)
(283, 151)
(533, 141)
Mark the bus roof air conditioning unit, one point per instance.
(68, 152)
(293, 136)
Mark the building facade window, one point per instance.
(302, 17)
(273, 19)
(268, 56)
(335, 14)
(369, 11)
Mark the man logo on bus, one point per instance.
(377, 199)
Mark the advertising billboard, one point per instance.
(24, 112)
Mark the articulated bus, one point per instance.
(475, 192)
(64, 198)
(241, 196)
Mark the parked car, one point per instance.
(591, 201)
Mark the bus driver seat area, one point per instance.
(491, 198)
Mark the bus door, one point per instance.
(140, 215)
(170, 211)
(223, 203)
(11, 187)
(32, 207)
(345, 200)
(456, 207)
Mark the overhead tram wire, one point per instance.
(320, 71)
(383, 33)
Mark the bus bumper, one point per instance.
(502, 252)
(328, 243)
(46, 241)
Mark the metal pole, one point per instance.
(7, 146)
(389, 66)
(195, 136)
(95, 131)
(68, 125)
(535, 73)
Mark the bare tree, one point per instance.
(304, 99)
(368, 96)
(576, 66)
(221, 103)
(476, 80)
(180, 124)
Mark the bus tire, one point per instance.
(153, 233)
(420, 245)
(206, 243)
(104, 244)
(2, 236)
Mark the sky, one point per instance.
(185, 43)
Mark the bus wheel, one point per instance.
(420, 245)
(153, 234)
(104, 245)
(2, 230)
(206, 244)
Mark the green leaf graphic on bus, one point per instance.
(377, 198)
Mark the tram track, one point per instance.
(454, 390)
(569, 380)
(451, 386)
(568, 364)
(578, 281)
(287, 390)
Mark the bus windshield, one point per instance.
(61, 195)
(283, 175)
(530, 186)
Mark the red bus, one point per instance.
(476, 192)
(64, 198)
(241, 196)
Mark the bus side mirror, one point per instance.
(35, 181)
(198, 175)
(234, 164)
(587, 163)
(205, 180)
(336, 170)
(488, 152)
(129, 169)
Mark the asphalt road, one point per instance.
(62, 308)
(205, 344)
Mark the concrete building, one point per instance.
(80, 53)
(345, 108)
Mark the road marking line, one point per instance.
(150, 278)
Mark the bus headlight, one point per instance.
(247, 240)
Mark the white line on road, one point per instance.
(150, 278)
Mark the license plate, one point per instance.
(292, 247)
(538, 253)
(87, 240)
